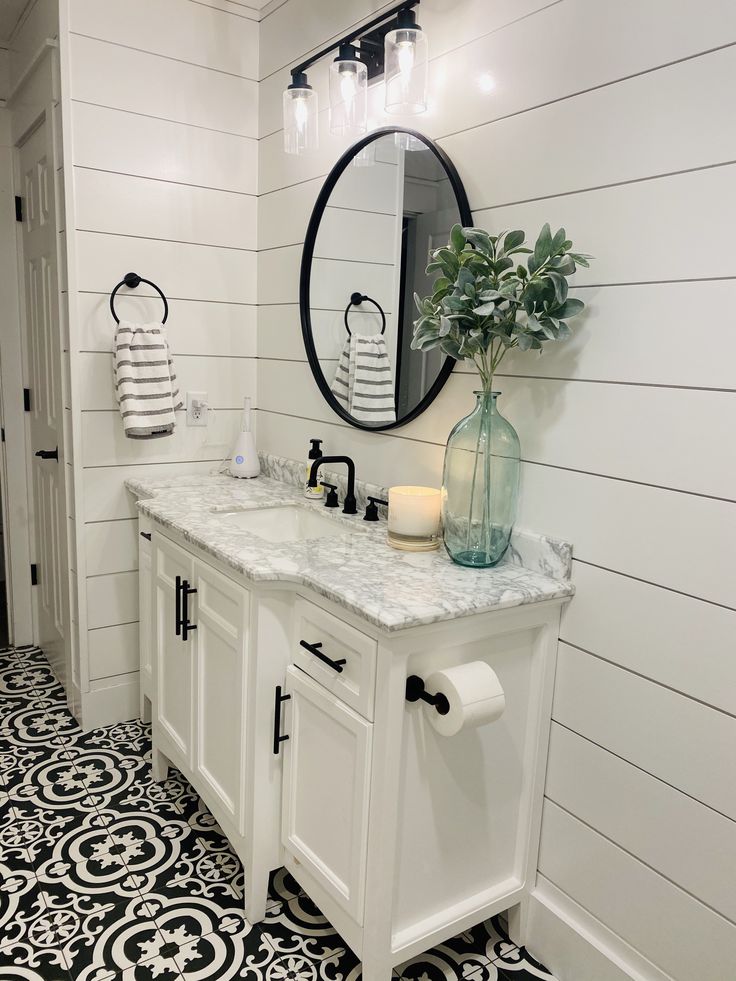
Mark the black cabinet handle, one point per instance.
(315, 649)
(277, 737)
(177, 611)
(49, 454)
(147, 535)
(186, 626)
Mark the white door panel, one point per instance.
(43, 359)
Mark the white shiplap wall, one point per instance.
(160, 110)
(608, 119)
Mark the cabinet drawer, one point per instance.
(354, 680)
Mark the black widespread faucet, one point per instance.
(350, 506)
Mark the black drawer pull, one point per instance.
(277, 737)
(177, 611)
(315, 649)
(186, 626)
(147, 535)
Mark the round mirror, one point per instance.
(389, 200)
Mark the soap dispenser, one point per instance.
(315, 452)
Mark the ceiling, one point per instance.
(10, 11)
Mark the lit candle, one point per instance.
(413, 518)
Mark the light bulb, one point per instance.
(300, 116)
(406, 54)
(405, 66)
(348, 93)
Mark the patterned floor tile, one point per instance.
(222, 956)
(298, 927)
(100, 939)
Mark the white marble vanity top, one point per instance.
(358, 570)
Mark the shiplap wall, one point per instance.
(161, 143)
(607, 119)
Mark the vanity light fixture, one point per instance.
(392, 44)
(348, 93)
(301, 110)
(406, 62)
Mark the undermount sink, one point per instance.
(289, 523)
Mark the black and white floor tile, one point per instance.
(106, 875)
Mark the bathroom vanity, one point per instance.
(276, 675)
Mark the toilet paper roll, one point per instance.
(475, 695)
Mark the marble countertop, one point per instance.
(358, 569)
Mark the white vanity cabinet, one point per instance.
(289, 715)
(404, 837)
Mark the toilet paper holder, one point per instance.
(415, 691)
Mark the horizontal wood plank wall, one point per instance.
(625, 430)
(164, 150)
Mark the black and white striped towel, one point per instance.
(364, 384)
(145, 380)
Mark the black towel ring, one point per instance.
(355, 300)
(133, 281)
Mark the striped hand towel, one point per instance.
(363, 383)
(145, 381)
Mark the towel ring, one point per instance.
(355, 300)
(133, 281)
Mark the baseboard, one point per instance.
(106, 704)
(575, 946)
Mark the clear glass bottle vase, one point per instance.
(480, 485)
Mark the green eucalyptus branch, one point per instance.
(485, 302)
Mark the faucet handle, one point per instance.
(332, 500)
(371, 511)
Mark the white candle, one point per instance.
(413, 517)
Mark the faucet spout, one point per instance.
(350, 506)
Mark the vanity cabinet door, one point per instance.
(327, 761)
(220, 671)
(174, 656)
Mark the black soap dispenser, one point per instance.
(315, 452)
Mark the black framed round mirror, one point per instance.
(388, 201)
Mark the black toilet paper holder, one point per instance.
(416, 691)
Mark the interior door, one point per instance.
(174, 649)
(44, 372)
(221, 651)
(326, 782)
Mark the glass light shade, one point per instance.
(301, 110)
(348, 97)
(405, 69)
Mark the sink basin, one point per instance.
(289, 523)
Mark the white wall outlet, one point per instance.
(197, 406)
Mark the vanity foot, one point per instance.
(256, 895)
(159, 765)
(376, 970)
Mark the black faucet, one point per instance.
(350, 506)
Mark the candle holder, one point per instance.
(414, 518)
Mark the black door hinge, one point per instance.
(18, 208)
(34, 574)
(26, 400)
(2, 434)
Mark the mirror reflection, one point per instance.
(391, 205)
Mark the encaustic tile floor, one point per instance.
(106, 875)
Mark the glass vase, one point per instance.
(480, 485)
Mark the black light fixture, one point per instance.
(392, 41)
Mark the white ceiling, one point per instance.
(10, 11)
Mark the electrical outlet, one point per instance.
(197, 406)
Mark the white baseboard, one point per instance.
(110, 701)
(575, 946)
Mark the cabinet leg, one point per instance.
(145, 708)
(516, 920)
(256, 894)
(375, 969)
(159, 765)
